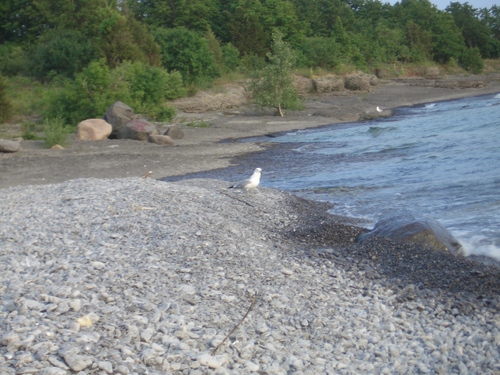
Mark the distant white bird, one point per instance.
(250, 183)
(379, 110)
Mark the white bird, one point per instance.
(249, 183)
(379, 110)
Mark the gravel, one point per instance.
(138, 276)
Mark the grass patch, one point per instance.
(55, 132)
(198, 124)
(30, 131)
(28, 96)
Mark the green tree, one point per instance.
(123, 38)
(447, 40)
(63, 52)
(247, 31)
(187, 52)
(476, 32)
(273, 86)
(230, 58)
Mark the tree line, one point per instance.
(127, 44)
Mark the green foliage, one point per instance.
(61, 53)
(188, 53)
(323, 52)
(5, 103)
(29, 131)
(13, 60)
(247, 31)
(471, 60)
(475, 31)
(273, 85)
(214, 46)
(55, 132)
(142, 87)
(122, 38)
(230, 58)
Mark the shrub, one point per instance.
(319, 52)
(13, 60)
(6, 111)
(273, 85)
(230, 58)
(188, 53)
(471, 60)
(61, 53)
(142, 87)
(55, 132)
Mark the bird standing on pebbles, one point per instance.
(249, 183)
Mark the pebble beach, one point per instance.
(138, 276)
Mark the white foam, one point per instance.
(478, 245)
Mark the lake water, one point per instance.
(439, 160)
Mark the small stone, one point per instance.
(211, 361)
(105, 366)
(77, 362)
(252, 367)
(287, 272)
(52, 371)
(261, 327)
(75, 304)
(147, 334)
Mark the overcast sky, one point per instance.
(441, 4)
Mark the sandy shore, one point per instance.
(201, 149)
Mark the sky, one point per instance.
(478, 4)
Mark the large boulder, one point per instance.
(118, 115)
(137, 129)
(93, 130)
(406, 228)
(6, 145)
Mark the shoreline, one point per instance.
(216, 146)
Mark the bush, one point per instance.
(188, 53)
(273, 85)
(319, 52)
(230, 58)
(6, 111)
(61, 53)
(55, 132)
(142, 87)
(13, 60)
(471, 60)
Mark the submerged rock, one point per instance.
(424, 232)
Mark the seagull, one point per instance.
(379, 110)
(249, 183)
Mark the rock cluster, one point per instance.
(137, 276)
